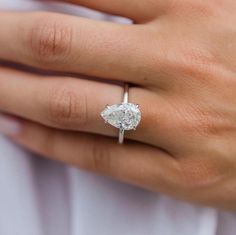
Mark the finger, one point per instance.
(65, 43)
(135, 9)
(133, 163)
(76, 104)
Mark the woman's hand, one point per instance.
(181, 58)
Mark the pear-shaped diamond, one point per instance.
(124, 116)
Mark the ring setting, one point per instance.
(124, 116)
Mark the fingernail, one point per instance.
(9, 125)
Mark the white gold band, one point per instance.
(125, 101)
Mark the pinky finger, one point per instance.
(134, 163)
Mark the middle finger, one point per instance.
(66, 43)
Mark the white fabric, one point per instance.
(40, 197)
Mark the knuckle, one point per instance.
(66, 108)
(202, 122)
(201, 7)
(197, 173)
(195, 62)
(204, 125)
(100, 156)
(48, 144)
(50, 38)
(188, 60)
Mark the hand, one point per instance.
(180, 57)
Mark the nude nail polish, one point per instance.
(9, 125)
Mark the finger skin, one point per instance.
(60, 102)
(66, 43)
(132, 163)
(75, 104)
(137, 10)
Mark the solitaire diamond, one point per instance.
(124, 116)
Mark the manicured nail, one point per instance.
(9, 125)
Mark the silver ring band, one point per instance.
(125, 101)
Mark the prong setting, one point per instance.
(125, 116)
(122, 116)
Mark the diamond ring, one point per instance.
(125, 116)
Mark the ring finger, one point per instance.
(76, 104)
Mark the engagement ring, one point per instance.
(125, 116)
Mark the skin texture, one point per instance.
(181, 60)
